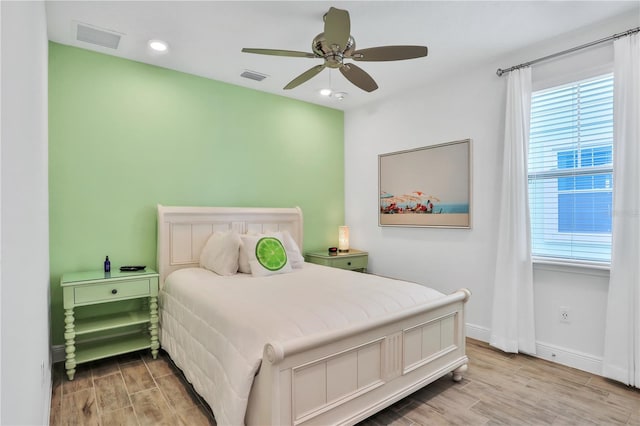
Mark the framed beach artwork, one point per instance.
(428, 186)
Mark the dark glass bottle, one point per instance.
(107, 265)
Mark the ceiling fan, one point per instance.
(335, 45)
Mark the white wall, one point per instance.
(26, 365)
(469, 104)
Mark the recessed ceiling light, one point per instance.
(158, 45)
(325, 92)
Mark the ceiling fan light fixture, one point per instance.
(325, 92)
(340, 95)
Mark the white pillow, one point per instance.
(243, 259)
(293, 251)
(266, 255)
(220, 253)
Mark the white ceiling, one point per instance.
(206, 37)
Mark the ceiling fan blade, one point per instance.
(389, 53)
(277, 52)
(307, 75)
(337, 28)
(359, 77)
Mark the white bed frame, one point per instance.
(339, 377)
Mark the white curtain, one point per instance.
(512, 326)
(622, 336)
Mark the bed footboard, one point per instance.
(344, 377)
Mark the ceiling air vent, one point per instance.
(253, 75)
(98, 36)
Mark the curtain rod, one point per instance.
(500, 71)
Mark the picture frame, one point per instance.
(426, 187)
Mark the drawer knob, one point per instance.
(349, 263)
(114, 291)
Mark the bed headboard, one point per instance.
(183, 231)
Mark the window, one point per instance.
(571, 171)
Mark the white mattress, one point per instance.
(215, 327)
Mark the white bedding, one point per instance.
(215, 327)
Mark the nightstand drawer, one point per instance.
(111, 291)
(355, 262)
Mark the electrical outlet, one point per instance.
(565, 314)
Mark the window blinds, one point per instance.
(571, 171)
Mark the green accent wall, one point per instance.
(126, 136)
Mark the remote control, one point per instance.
(132, 268)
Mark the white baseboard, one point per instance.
(569, 357)
(478, 332)
(57, 353)
(565, 356)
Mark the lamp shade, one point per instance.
(343, 238)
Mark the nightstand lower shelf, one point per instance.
(98, 349)
(110, 322)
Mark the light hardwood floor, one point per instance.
(131, 390)
(498, 389)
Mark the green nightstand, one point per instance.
(354, 260)
(108, 314)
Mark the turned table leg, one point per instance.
(70, 347)
(153, 326)
(457, 373)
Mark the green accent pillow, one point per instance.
(266, 255)
(271, 254)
